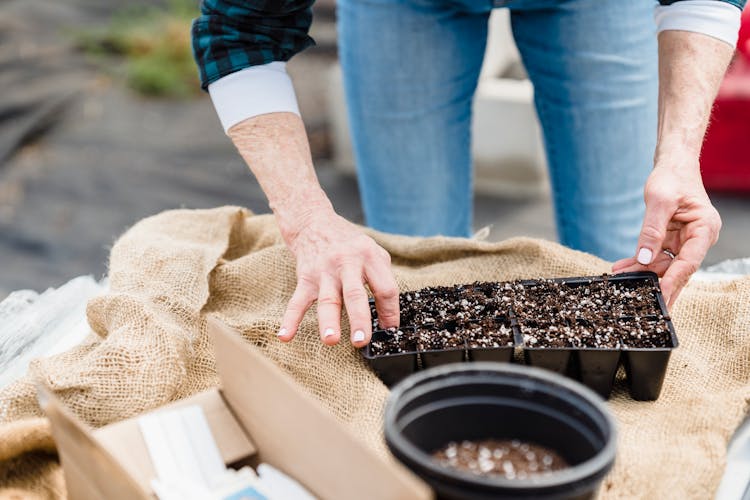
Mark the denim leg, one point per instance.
(410, 72)
(594, 68)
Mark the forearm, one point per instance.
(334, 258)
(691, 66)
(679, 215)
(276, 149)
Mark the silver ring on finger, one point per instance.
(668, 252)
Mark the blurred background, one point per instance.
(102, 123)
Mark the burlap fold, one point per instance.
(170, 271)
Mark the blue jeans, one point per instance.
(410, 72)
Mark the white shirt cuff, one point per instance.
(253, 91)
(710, 17)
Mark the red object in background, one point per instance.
(743, 42)
(725, 158)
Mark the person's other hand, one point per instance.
(680, 218)
(334, 261)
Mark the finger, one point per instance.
(692, 253)
(621, 264)
(659, 265)
(383, 285)
(329, 309)
(302, 298)
(654, 229)
(357, 306)
(673, 297)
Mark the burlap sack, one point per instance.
(170, 271)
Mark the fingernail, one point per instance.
(328, 332)
(644, 256)
(282, 332)
(359, 336)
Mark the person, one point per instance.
(623, 91)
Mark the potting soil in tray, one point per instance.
(581, 327)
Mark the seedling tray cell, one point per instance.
(581, 327)
(597, 369)
(501, 354)
(390, 367)
(556, 360)
(645, 369)
(442, 357)
(491, 340)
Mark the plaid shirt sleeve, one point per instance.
(231, 35)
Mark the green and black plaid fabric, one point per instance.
(231, 35)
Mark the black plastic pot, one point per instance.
(501, 401)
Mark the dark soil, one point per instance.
(601, 313)
(393, 341)
(489, 332)
(644, 333)
(442, 306)
(591, 300)
(431, 339)
(509, 459)
(478, 335)
(605, 334)
(546, 334)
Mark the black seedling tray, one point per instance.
(437, 357)
(594, 366)
(502, 354)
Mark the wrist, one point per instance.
(296, 212)
(682, 146)
(275, 148)
(677, 155)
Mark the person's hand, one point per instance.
(679, 218)
(334, 258)
(334, 261)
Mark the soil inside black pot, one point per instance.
(511, 459)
